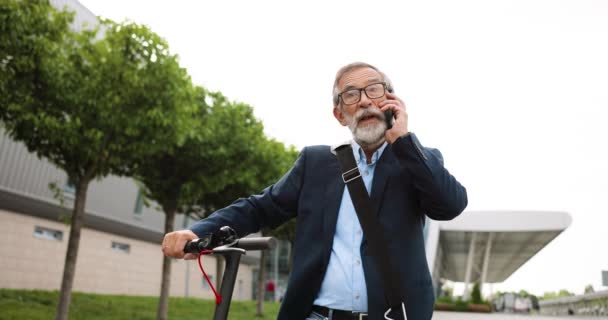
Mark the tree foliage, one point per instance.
(97, 105)
(88, 105)
(251, 160)
(32, 34)
(91, 105)
(559, 294)
(476, 294)
(224, 156)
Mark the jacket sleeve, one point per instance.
(271, 208)
(442, 197)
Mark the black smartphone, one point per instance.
(388, 115)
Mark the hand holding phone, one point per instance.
(395, 116)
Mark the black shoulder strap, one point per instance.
(370, 225)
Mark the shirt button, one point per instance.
(366, 172)
(357, 296)
(357, 262)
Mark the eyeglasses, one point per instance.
(372, 91)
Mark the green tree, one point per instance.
(589, 289)
(476, 294)
(92, 107)
(224, 156)
(559, 294)
(32, 34)
(270, 162)
(281, 159)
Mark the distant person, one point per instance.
(334, 275)
(270, 291)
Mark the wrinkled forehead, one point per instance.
(358, 78)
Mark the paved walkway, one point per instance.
(437, 315)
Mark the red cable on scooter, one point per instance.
(218, 298)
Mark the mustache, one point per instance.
(367, 113)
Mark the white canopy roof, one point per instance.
(513, 237)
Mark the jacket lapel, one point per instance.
(384, 168)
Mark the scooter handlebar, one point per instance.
(259, 243)
(248, 244)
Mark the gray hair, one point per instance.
(353, 66)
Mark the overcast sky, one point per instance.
(514, 93)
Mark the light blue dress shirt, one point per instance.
(343, 286)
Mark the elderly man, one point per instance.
(334, 274)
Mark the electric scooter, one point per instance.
(225, 243)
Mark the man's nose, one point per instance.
(365, 101)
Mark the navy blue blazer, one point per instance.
(409, 183)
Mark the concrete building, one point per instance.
(120, 243)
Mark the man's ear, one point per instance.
(339, 115)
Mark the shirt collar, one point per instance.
(360, 155)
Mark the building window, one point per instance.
(49, 234)
(121, 247)
(139, 203)
(205, 284)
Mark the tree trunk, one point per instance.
(69, 268)
(163, 303)
(261, 291)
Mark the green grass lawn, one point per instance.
(40, 305)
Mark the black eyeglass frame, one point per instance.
(384, 85)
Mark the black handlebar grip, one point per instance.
(191, 247)
(261, 243)
(194, 246)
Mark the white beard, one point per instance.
(367, 134)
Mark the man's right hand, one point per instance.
(174, 243)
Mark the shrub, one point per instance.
(445, 300)
(476, 294)
(461, 305)
(484, 307)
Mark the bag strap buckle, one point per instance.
(389, 310)
(351, 175)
